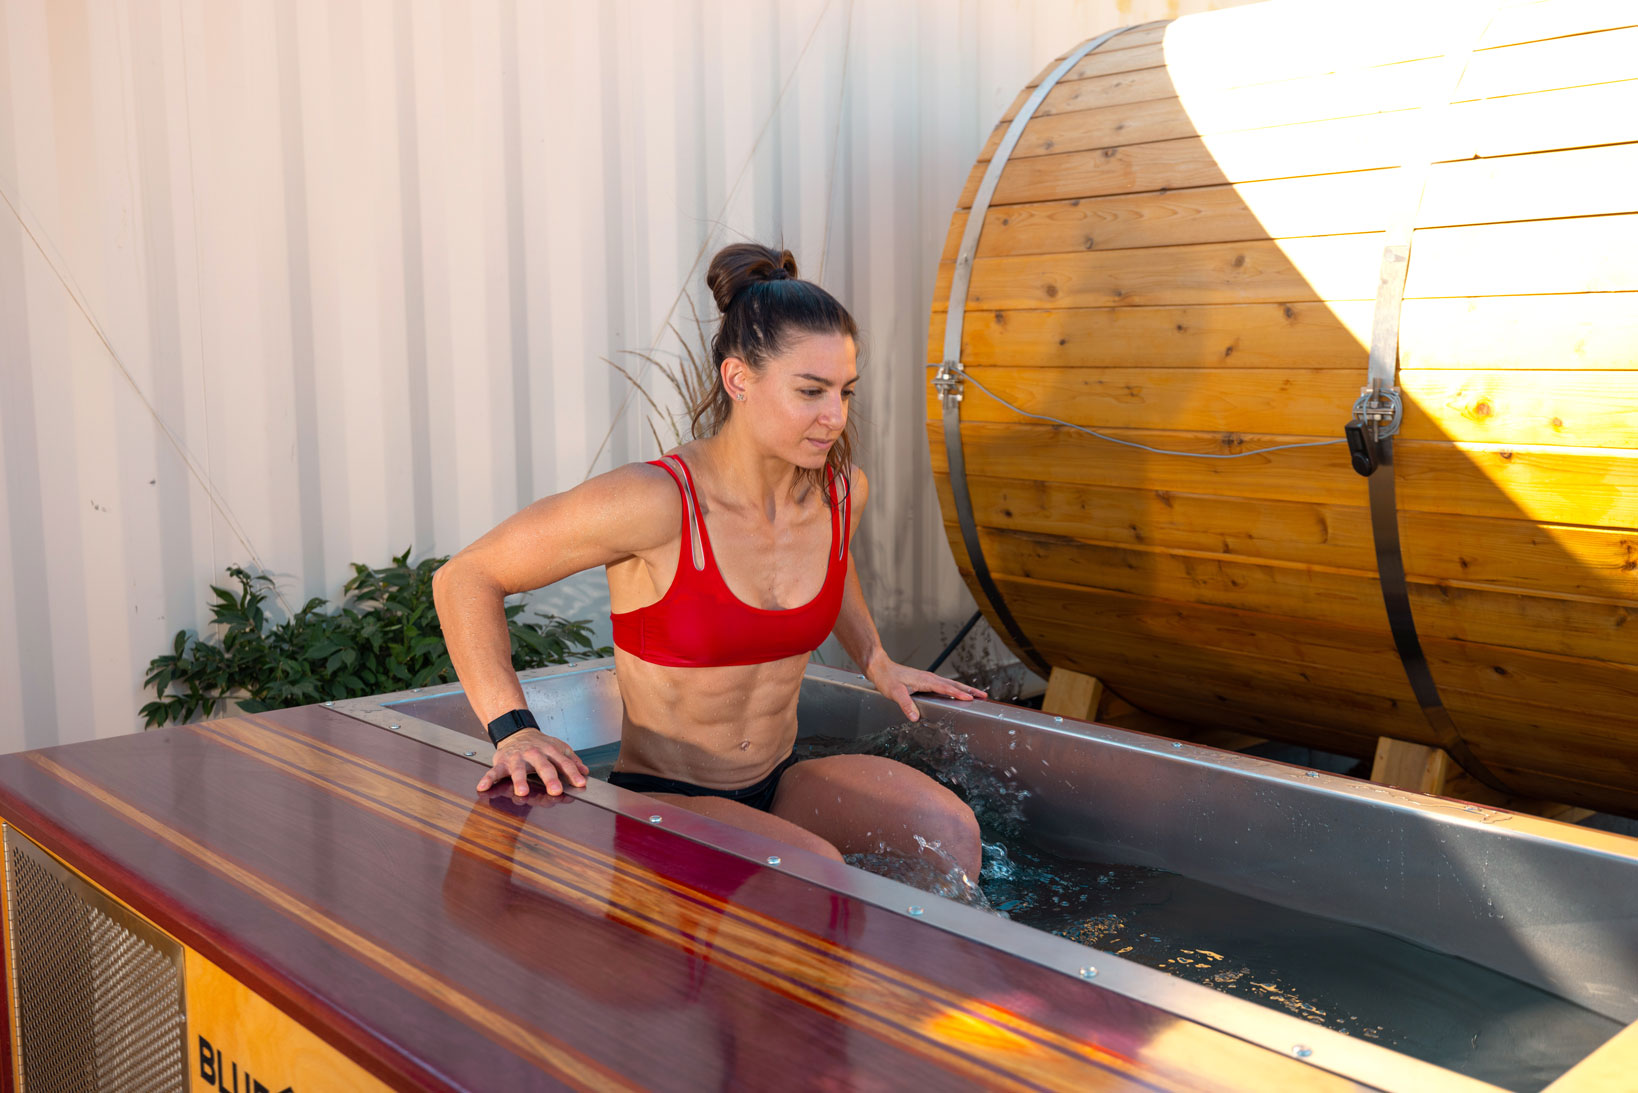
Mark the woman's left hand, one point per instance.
(897, 682)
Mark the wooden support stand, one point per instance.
(1075, 694)
(1404, 765)
(1431, 770)
(1072, 694)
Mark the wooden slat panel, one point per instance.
(1335, 535)
(1529, 332)
(1335, 710)
(1147, 85)
(1348, 144)
(1247, 659)
(1134, 38)
(1492, 679)
(1562, 744)
(1573, 628)
(1596, 487)
(1251, 685)
(1067, 620)
(1138, 47)
(1583, 409)
(1553, 63)
(1571, 744)
(1545, 787)
(1517, 554)
(1318, 335)
(1598, 254)
(1327, 268)
(1477, 192)
(1322, 654)
(1080, 116)
(1573, 117)
(1343, 740)
(1123, 53)
(1528, 22)
(1287, 42)
(1054, 454)
(1575, 182)
(1561, 118)
(1358, 201)
(1299, 402)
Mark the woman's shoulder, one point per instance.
(643, 485)
(858, 485)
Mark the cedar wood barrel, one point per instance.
(1185, 248)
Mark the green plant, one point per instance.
(384, 636)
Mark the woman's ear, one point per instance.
(736, 376)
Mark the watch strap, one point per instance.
(510, 722)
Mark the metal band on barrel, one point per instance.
(1382, 377)
(948, 380)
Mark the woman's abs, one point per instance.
(717, 727)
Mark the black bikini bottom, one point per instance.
(759, 795)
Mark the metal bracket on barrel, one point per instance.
(947, 381)
(1377, 414)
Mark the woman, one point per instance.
(728, 563)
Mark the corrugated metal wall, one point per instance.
(291, 285)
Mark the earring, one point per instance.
(740, 396)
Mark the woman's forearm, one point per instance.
(472, 612)
(855, 629)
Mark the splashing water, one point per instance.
(1345, 978)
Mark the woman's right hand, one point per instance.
(533, 749)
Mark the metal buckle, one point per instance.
(947, 381)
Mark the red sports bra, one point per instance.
(700, 623)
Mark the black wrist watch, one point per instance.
(510, 722)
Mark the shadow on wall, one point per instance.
(1183, 252)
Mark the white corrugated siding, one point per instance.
(291, 285)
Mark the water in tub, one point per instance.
(1351, 979)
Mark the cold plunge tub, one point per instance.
(1538, 919)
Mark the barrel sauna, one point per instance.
(1182, 246)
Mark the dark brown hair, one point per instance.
(765, 307)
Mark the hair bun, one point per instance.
(741, 265)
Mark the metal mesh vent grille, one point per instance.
(98, 991)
